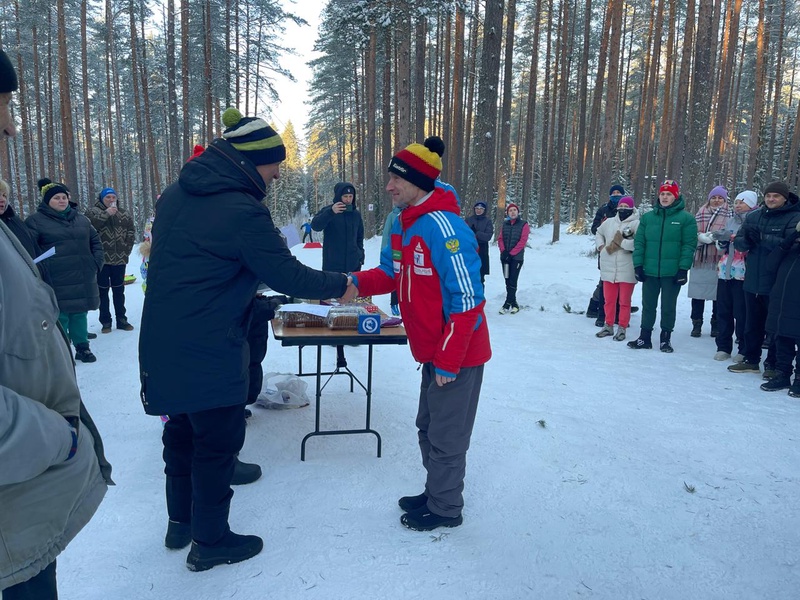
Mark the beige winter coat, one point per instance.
(45, 497)
(616, 252)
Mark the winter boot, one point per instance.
(697, 325)
(591, 311)
(643, 341)
(514, 309)
(770, 372)
(232, 548)
(411, 503)
(606, 331)
(91, 336)
(124, 325)
(780, 382)
(244, 473)
(505, 309)
(794, 391)
(83, 354)
(714, 330)
(423, 519)
(744, 367)
(179, 535)
(105, 327)
(665, 346)
(721, 355)
(620, 335)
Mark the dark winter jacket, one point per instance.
(666, 240)
(763, 230)
(116, 233)
(78, 258)
(343, 245)
(783, 317)
(513, 238)
(25, 237)
(606, 211)
(213, 242)
(484, 230)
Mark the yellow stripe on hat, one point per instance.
(426, 155)
(265, 144)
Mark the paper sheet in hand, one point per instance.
(44, 255)
(310, 309)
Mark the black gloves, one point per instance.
(639, 274)
(505, 256)
(752, 234)
(682, 276)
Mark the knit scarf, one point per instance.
(709, 219)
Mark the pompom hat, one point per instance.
(253, 137)
(419, 164)
(48, 189)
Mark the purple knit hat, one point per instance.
(718, 191)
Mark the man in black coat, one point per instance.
(484, 231)
(213, 242)
(762, 233)
(783, 319)
(343, 246)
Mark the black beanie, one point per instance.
(8, 76)
(777, 187)
(49, 189)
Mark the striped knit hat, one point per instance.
(48, 189)
(253, 137)
(419, 164)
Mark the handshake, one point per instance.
(351, 293)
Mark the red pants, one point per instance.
(623, 291)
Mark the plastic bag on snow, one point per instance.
(283, 390)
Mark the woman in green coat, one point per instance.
(663, 252)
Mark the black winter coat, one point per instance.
(78, 258)
(343, 245)
(783, 317)
(484, 230)
(761, 233)
(213, 242)
(25, 237)
(606, 211)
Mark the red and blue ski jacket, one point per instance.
(433, 264)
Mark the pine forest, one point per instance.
(545, 103)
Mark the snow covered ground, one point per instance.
(592, 503)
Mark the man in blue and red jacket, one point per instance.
(433, 265)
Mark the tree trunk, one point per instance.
(529, 152)
(482, 172)
(563, 80)
(65, 101)
(504, 155)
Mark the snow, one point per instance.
(593, 504)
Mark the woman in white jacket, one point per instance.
(614, 240)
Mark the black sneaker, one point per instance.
(640, 344)
(794, 391)
(179, 535)
(232, 548)
(665, 346)
(423, 519)
(409, 503)
(777, 383)
(600, 321)
(244, 473)
(744, 367)
(83, 354)
(634, 309)
(770, 373)
(91, 336)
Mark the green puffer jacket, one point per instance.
(666, 240)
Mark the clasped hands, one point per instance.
(351, 293)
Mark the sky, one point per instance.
(293, 95)
(595, 471)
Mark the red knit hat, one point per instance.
(509, 205)
(670, 186)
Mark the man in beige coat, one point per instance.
(53, 474)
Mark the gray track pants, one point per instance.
(444, 420)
